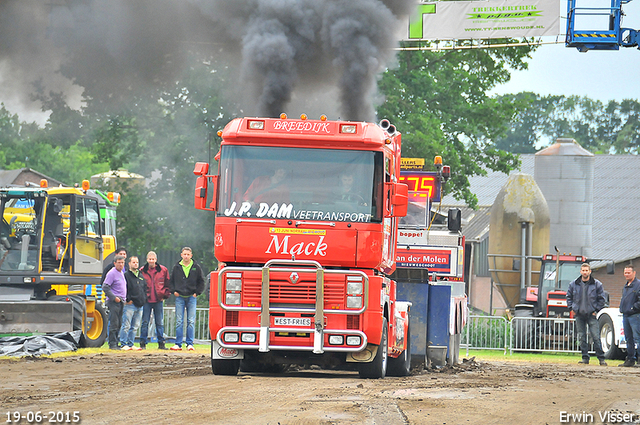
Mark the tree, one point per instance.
(600, 128)
(438, 101)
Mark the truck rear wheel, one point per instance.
(378, 367)
(401, 365)
(96, 335)
(611, 350)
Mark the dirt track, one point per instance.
(164, 387)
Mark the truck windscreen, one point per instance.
(301, 184)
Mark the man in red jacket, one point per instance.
(157, 277)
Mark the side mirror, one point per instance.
(400, 199)
(200, 196)
(454, 220)
(611, 268)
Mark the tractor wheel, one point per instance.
(611, 350)
(401, 366)
(378, 367)
(96, 335)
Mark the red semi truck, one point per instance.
(305, 235)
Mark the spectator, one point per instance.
(132, 311)
(630, 309)
(585, 297)
(119, 251)
(157, 277)
(187, 282)
(115, 286)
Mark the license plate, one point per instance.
(292, 321)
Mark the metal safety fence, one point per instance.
(169, 322)
(481, 332)
(531, 334)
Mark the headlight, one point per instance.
(354, 340)
(354, 288)
(234, 284)
(354, 302)
(248, 338)
(231, 337)
(232, 299)
(336, 339)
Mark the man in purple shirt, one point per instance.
(115, 287)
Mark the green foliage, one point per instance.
(600, 128)
(438, 101)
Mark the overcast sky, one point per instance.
(602, 75)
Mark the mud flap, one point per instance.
(223, 353)
(364, 356)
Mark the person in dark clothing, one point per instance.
(585, 297)
(630, 309)
(186, 283)
(132, 311)
(115, 287)
(157, 277)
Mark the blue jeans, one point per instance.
(157, 317)
(131, 316)
(594, 329)
(631, 325)
(188, 303)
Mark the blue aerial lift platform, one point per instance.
(581, 14)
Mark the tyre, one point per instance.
(79, 312)
(401, 366)
(96, 335)
(611, 351)
(378, 367)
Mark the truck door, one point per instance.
(87, 258)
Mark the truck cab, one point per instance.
(305, 234)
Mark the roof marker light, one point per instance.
(348, 129)
(256, 125)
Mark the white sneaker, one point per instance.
(127, 348)
(190, 348)
(134, 348)
(176, 348)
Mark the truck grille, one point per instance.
(303, 292)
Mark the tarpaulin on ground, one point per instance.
(39, 345)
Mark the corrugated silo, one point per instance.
(520, 203)
(564, 172)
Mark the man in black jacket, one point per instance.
(630, 309)
(585, 297)
(132, 312)
(186, 283)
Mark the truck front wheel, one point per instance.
(378, 367)
(611, 350)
